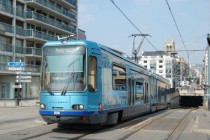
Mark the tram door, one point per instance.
(146, 92)
(131, 91)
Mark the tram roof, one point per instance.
(100, 46)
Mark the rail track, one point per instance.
(123, 131)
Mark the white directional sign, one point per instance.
(23, 77)
(17, 86)
(23, 73)
(24, 81)
(16, 68)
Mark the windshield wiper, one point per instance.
(67, 83)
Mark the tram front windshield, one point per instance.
(64, 68)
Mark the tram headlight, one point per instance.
(81, 107)
(42, 106)
(77, 107)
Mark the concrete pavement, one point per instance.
(202, 122)
(25, 118)
(12, 103)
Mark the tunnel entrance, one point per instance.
(191, 101)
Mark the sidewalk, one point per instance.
(13, 103)
(21, 118)
(202, 123)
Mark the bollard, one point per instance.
(17, 101)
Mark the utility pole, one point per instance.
(136, 51)
(208, 88)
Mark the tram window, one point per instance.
(92, 73)
(139, 91)
(119, 78)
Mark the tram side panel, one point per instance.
(125, 87)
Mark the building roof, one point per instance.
(154, 53)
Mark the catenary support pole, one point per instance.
(208, 88)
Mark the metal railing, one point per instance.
(6, 27)
(56, 8)
(20, 31)
(46, 20)
(6, 47)
(26, 32)
(32, 51)
(39, 34)
(21, 50)
(20, 13)
(72, 2)
(6, 8)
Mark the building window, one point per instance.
(160, 66)
(160, 61)
(145, 61)
(20, 6)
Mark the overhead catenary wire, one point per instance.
(190, 50)
(133, 24)
(178, 29)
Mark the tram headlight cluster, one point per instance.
(42, 106)
(77, 107)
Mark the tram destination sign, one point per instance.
(16, 64)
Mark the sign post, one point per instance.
(208, 82)
(18, 66)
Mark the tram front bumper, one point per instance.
(87, 117)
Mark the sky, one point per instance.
(105, 24)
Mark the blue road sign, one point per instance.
(16, 64)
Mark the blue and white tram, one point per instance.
(84, 82)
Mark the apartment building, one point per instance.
(166, 63)
(161, 63)
(25, 25)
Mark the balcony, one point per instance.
(6, 8)
(22, 50)
(45, 20)
(4, 27)
(20, 13)
(32, 51)
(38, 34)
(53, 7)
(6, 47)
(72, 2)
(32, 68)
(18, 49)
(20, 31)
